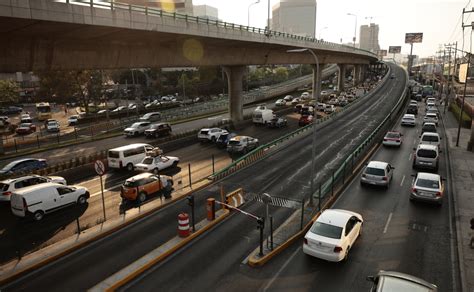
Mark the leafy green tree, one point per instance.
(281, 74)
(8, 92)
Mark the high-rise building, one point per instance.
(369, 37)
(206, 11)
(178, 6)
(295, 17)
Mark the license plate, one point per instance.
(423, 194)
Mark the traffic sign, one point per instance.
(99, 167)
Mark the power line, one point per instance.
(457, 24)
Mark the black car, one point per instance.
(223, 139)
(24, 166)
(412, 109)
(158, 130)
(10, 110)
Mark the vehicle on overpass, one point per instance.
(224, 139)
(24, 165)
(136, 129)
(43, 110)
(25, 128)
(277, 122)
(158, 130)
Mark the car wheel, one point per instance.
(141, 197)
(81, 200)
(156, 171)
(38, 215)
(130, 167)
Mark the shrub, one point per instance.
(466, 119)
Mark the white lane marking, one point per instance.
(409, 157)
(106, 190)
(281, 269)
(388, 222)
(403, 179)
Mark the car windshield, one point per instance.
(135, 125)
(24, 125)
(375, 171)
(427, 183)
(132, 183)
(392, 135)
(326, 230)
(426, 153)
(148, 160)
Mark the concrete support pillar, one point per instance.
(356, 76)
(235, 76)
(341, 77)
(317, 82)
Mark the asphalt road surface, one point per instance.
(218, 255)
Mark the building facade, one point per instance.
(295, 17)
(178, 6)
(206, 11)
(369, 37)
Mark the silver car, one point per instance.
(427, 187)
(377, 173)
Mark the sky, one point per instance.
(439, 21)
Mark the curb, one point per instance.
(110, 284)
(15, 274)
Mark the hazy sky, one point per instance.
(440, 21)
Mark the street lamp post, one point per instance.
(316, 95)
(355, 27)
(248, 11)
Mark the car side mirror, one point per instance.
(419, 136)
(370, 279)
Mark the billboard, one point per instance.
(413, 37)
(382, 53)
(395, 49)
(462, 73)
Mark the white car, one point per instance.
(408, 120)
(280, 102)
(136, 129)
(427, 187)
(7, 187)
(157, 163)
(333, 234)
(305, 95)
(296, 100)
(392, 138)
(377, 173)
(288, 98)
(429, 138)
(52, 126)
(119, 109)
(72, 120)
(431, 117)
(210, 134)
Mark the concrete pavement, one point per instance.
(462, 176)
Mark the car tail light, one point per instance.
(337, 249)
(384, 178)
(413, 190)
(398, 140)
(384, 139)
(438, 194)
(305, 241)
(6, 193)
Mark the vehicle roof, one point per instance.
(430, 134)
(395, 132)
(408, 116)
(12, 180)
(126, 147)
(427, 147)
(429, 123)
(140, 176)
(337, 217)
(406, 277)
(238, 138)
(427, 175)
(430, 114)
(377, 164)
(32, 189)
(151, 113)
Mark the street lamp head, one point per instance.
(296, 50)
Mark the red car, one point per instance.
(26, 128)
(305, 120)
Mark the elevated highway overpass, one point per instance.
(71, 35)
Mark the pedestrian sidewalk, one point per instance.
(462, 175)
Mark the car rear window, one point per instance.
(430, 138)
(393, 135)
(114, 154)
(326, 230)
(426, 153)
(134, 183)
(204, 132)
(4, 187)
(234, 142)
(427, 183)
(375, 171)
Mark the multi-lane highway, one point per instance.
(283, 174)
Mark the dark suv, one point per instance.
(412, 109)
(158, 130)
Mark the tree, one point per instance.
(281, 74)
(8, 92)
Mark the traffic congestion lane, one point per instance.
(399, 235)
(255, 177)
(198, 155)
(284, 174)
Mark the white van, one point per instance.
(127, 156)
(38, 200)
(262, 116)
